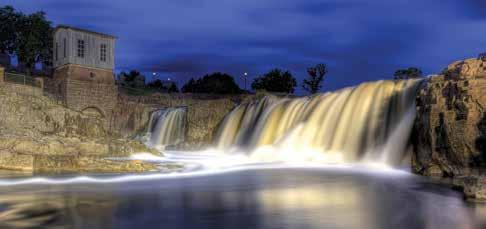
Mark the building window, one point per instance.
(81, 48)
(103, 52)
(56, 51)
(64, 47)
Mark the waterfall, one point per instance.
(166, 127)
(370, 122)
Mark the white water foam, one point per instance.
(203, 163)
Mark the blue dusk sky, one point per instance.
(359, 40)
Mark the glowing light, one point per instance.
(328, 128)
(146, 157)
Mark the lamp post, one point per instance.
(245, 75)
(154, 76)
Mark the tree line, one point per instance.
(135, 80)
(276, 80)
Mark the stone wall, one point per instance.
(81, 95)
(204, 113)
(131, 118)
(16, 161)
(84, 73)
(24, 111)
(2, 74)
(89, 90)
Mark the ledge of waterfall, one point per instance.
(51, 154)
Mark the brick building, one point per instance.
(83, 70)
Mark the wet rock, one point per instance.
(475, 187)
(450, 128)
(76, 164)
(54, 154)
(38, 134)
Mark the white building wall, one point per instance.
(92, 49)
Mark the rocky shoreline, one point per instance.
(450, 128)
(37, 135)
(54, 154)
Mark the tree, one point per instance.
(29, 37)
(189, 87)
(173, 88)
(316, 75)
(132, 79)
(215, 83)
(275, 81)
(167, 86)
(34, 40)
(9, 19)
(156, 84)
(409, 73)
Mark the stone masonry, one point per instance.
(83, 72)
(88, 90)
(2, 74)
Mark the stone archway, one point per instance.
(93, 112)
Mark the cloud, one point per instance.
(359, 40)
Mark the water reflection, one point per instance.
(298, 198)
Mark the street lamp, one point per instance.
(245, 75)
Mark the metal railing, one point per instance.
(21, 79)
(24, 84)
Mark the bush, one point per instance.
(275, 81)
(132, 79)
(409, 73)
(163, 86)
(216, 83)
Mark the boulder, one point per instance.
(450, 128)
(60, 154)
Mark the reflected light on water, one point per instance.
(305, 197)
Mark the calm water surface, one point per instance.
(263, 198)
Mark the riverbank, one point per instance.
(449, 135)
(39, 135)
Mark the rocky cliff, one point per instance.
(449, 135)
(24, 111)
(38, 134)
(204, 113)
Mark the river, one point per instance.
(272, 195)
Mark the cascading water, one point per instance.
(370, 122)
(166, 127)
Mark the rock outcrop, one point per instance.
(24, 111)
(204, 113)
(450, 128)
(37, 134)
